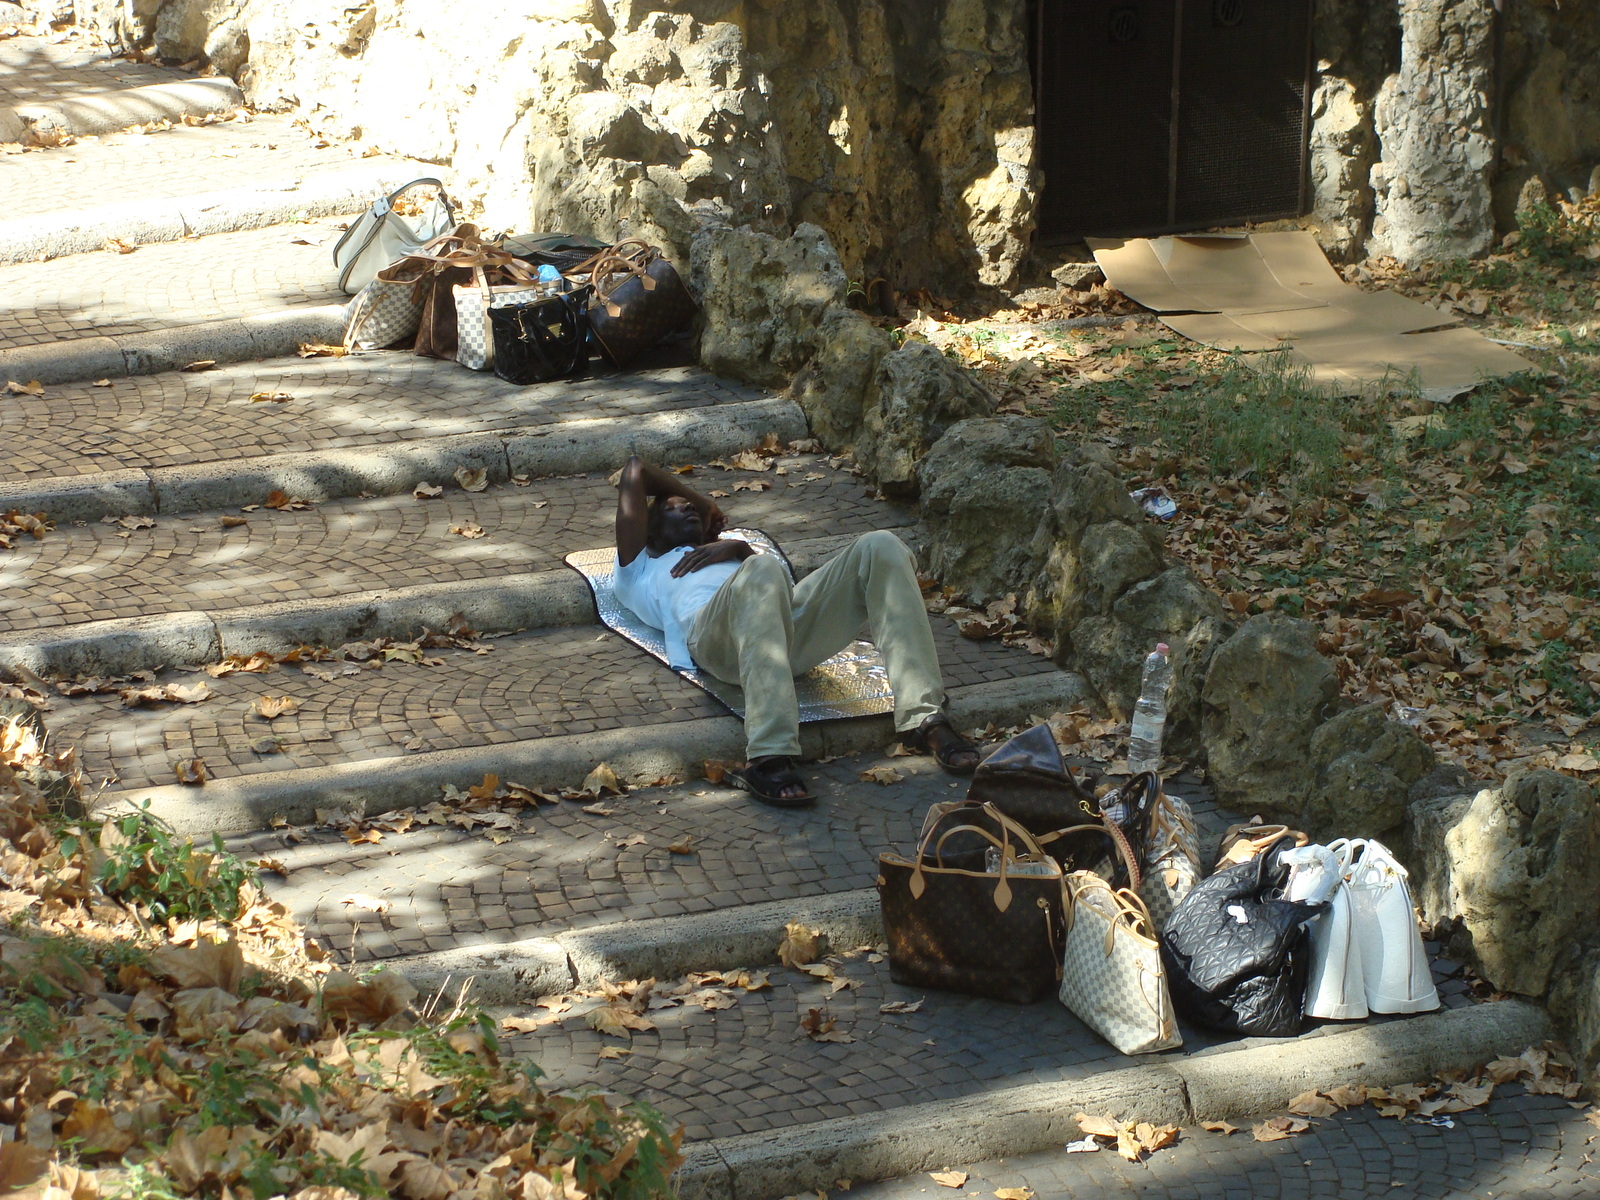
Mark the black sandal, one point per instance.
(765, 779)
(954, 753)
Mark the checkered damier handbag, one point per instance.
(1171, 856)
(383, 313)
(1111, 973)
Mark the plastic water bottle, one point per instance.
(1150, 713)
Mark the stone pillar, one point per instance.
(1434, 124)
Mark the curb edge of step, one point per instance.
(746, 935)
(90, 114)
(272, 334)
(248, 802)
(1233, 1082)
(393, 468)
(337, 191)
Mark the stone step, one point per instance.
(78, 305)
(188, 561)
(604, 891)
(542, 707)
(181, 418)
(769, 1113)
(536, 432)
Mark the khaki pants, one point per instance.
(760, 633)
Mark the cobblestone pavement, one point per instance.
(40, 70)
(547, 683)
(264, 151)
(166, 284)
(103, 569)
(379, 397)
(1517, 1146)
(565, 868)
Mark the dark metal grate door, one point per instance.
(1104, 72)
(1241, 111)
(1156, 116)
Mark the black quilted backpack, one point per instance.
(1236, 957)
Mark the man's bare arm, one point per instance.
(639, 483)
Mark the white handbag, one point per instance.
(1111, 973)
(1394, 965)
(381, 235)
(1335, 986)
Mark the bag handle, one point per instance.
(378, 223)
(1119, 841)
(1130, 906)
(1002, 891)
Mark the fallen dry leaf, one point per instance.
(468, 530)
(1014, 1193)
(1312, 1104)
(270, 707)
(427, 491)
(818, 1025)
(472, 479)
(900, 1006)
(600, 781)
(883, 775)
(190, 771)
(201, 364)
(282, 501)
(32, 388)
(614, 1052)
(949, 1179)
(232, 522)
(800, 945)
(270, 397)
(1278, 1128)
(117, 245)
(365, 902)
(1221, 1127)
(684, 845)
(321, 350)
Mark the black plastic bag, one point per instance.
(1236, 957)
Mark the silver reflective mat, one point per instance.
(853, 683)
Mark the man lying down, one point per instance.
(730, 611)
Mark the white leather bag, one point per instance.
(381, 235)
(1336, 989)
(1112, 977)
(1394, 965)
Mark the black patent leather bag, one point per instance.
(541, 340)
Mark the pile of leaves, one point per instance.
(165, 1030)
(1449, 553)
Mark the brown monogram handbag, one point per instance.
(637, 299)
(958, 929)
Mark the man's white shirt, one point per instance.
(647, 587)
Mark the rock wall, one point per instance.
(901, 127)
(1429, 116)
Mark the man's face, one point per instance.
(680, 524)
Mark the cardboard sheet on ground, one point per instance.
(853, 683)
(1277, 291)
